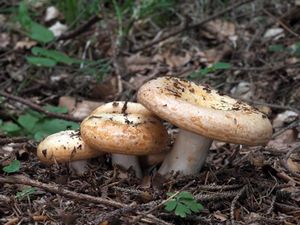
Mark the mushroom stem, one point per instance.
(187, 155)
(79, 167)
(127, 161)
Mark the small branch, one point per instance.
(284, 161)
(181, 29)
(80, 29)
(233, 203)
(292, 125)
(284, 26)
(216, 196)
(53, 188)
(39, 108)
(4, 141)
(5, 199)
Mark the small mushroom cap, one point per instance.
(124, 128)
(64, 146)
(205, 111)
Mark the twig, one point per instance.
(53, 188)
(5, 199)
(284, 161)
(216, 196)
(281, 24)
(181, 29)
(4, 141)
(294, 124)
(214, 187)
(264, 220)
(233, 203)
(39, 108)
(157, 220)
(80, 29)
(271, 208)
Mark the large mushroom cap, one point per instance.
(65, 146)
(124, 128)
(204, 111)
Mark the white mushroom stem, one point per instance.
(127, 161)
(187, 155)
(79, 167)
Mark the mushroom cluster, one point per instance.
(127, 129)
(124, 129)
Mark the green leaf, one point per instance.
(47, 126)
(55, 55)
(13, 167)
(183, 204)
(221, 66)
(23, 16)
(294, 49)
(28, 121)
(181, 210)
(40, 135)
(34, 30)
(56, 109)
(40, 33)
(10, 127)
(185, 195)
(25, 192)
(192, 205)
(40, 61)
(204, 71)
(170, 205)
(276, 48)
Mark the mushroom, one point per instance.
(203, 115)
(66, 146)
(126, 130)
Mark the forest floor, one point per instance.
(249, 50)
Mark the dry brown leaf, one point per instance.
(15, 72)
(220, 216)
(2, 20)
(244, 90)
(257, 159)
(79, 109)
(108, 89)
(68, 102)
(138, 80)
(137, 63)
(219, 29)
(172, 59)
(285, 117)
(275, 33)
(51, 13)
(294, 166)
(4, 40)
(25, 44)
(214, 55)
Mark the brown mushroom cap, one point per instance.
(64, 146)
(124, 128)
(205, 111)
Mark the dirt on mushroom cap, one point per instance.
(132, 131)
(65, 146)
(203, 110)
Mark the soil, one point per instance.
(237, 185)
